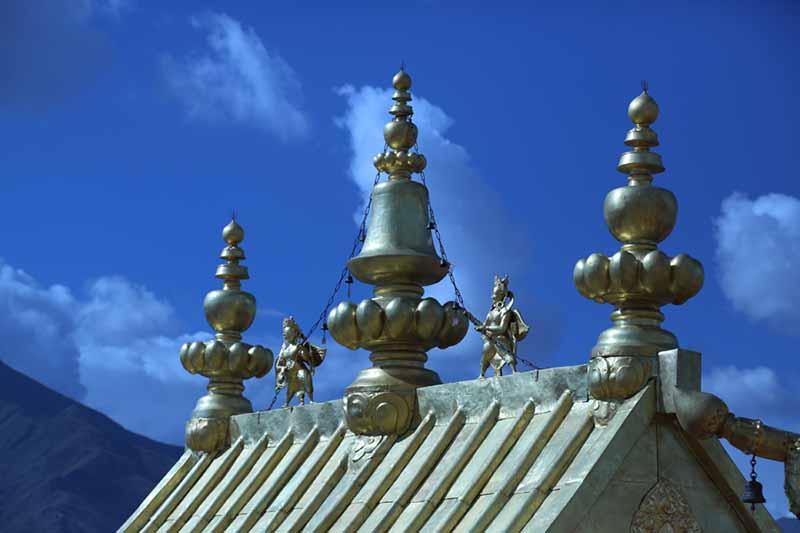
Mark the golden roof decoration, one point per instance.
(639, 278)
(626, 442)
(398, 257)
(226, 360)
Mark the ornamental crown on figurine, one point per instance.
(294, 367)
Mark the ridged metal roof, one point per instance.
(482, 458)
(501, 454)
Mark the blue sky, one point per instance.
(131, 129)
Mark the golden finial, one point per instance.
(232, 273)
(643, 110)
(397, 324)
(640, 163)
(400, 134)
(226, 361)
(639, 278)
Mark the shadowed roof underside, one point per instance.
(505, 454)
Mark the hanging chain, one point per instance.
(433, 226)
(345, 276)
(753, 477)
(272, 403)
(530, 364)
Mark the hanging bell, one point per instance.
(349, 282)
(753, 490)
(753, 493)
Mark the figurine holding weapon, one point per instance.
(295, 364)
(503, 328)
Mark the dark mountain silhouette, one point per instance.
(67, 468)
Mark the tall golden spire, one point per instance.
(226, 361)
(639, 278)
(397, 325)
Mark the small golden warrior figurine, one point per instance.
(294, 367)
(502, 330)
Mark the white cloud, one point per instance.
(236, 78)
(754, 393)
(118, 312)
(114, 348)
(758, 250)
(37, 328)
(480, 237)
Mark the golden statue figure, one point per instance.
(503, 328)
(294, 367)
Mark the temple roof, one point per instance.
(526, 452)
(601, 447)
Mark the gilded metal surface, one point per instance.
(792, 476)
(603, 411)
(397, 325)
(516, 453)
(664, 509)
(639, 278)
(615, 378)
(202, 489)
(226, 360)
(159, 494)
(503, 328)
(705, 415)
(294, 367)
(727, 479)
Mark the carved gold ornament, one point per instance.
(664, 510)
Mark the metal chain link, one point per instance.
(345, 274)
(432, 225)
(753, 477)
(528, 363)
(446, 262)
(272, 403)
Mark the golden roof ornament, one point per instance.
(226, 360)
(397, 325)
(639, 278)
(294, 367)
(503, 328)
